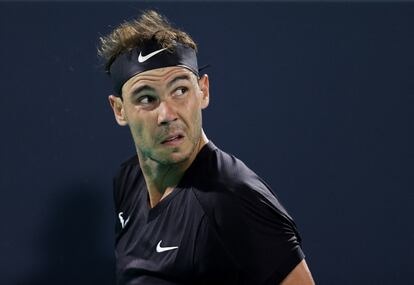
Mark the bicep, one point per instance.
(300, 275)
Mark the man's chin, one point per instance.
(168, 155)
(174, 158)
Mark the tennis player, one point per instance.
(187, 212)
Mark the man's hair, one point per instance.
(132, 34)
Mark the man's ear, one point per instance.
(118, 108)
(204, 87)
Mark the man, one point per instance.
(188, 213)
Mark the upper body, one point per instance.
(220, 225)
(228, 225)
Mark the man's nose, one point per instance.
(166, 113)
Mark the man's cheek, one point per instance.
(136, 131)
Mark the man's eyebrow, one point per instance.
(142, 88)
(169, 84)
(180, 77)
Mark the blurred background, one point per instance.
(316, 97)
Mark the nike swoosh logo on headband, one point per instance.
(146, 57)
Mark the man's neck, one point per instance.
(162, 179)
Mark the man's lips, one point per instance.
(172, 137)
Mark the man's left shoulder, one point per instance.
(228, 183)
(248, 219)
(224, 170)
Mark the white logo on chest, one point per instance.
(167, 248)
(121, 219)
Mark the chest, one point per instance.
(159, 241)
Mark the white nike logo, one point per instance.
(144, 58)
(121, 219)
(167, 248)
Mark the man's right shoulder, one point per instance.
(127, 170)
(133, 160)
(125, 167)
(125, 180)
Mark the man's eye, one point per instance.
(180, 91)
(146, 99)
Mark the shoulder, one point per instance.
(133, 160)
(126, 165)
(220, 169)
(126, 170)
(247, 217)
(126, 177)
(225, 182)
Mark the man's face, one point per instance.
(162, 108)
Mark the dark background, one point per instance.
(317, 98)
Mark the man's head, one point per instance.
(145, 43)
(154, 69)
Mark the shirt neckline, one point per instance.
(185, 182)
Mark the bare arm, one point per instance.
(300, 275)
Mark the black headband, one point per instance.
(150, 56)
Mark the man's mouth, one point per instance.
(172, 139)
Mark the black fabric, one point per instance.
(227, 224)
(127, 64)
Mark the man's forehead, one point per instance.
(159, 75)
